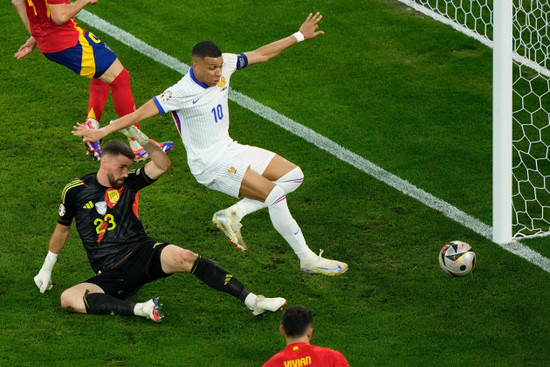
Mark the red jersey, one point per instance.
(304, 354)
(49, 36)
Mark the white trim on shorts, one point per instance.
(227, 174)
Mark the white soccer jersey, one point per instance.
(201, 113)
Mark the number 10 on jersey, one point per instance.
(217, 112)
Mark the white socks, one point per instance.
(245, 206)
(288, 182)
(286, 225)
(291, 181)
(280, 216)
(143, 309)
(250, 300)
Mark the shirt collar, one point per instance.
(196, 80)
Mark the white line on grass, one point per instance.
(322, 142)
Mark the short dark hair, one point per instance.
(116, 147)
(296, 320)
(206, 49)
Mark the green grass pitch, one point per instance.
(399, 89)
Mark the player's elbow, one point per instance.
(163, 164)
(259, 56)
(59, 19)
(263, 58)
(166, 165)
(59, 15)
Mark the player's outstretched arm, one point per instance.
(159, 163)
(309, 29)
(30, 44)
(146, 111)
(43, 279)
(19, 5)
(61, 13)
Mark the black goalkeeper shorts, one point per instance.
(142, 266)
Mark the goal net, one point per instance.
(530, 174)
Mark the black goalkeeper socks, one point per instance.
(218, 278)
(104, 304)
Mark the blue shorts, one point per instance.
(90, 57)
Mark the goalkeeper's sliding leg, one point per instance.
(107, 292)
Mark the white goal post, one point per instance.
(502, 121)
(519, 33)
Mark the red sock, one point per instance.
(99, 92)
(122, 94)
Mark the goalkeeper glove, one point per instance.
(43, 279)
(136, 134)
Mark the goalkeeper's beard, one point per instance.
(115, 183)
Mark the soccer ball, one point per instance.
(457, 259)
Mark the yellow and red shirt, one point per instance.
(305, 354)
(50, 36)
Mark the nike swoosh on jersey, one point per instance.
(196, 100)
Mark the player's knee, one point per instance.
(187, 258)
(276, 195)
(299, 176)
(69, 302)
(179, 260)
(65, 300)
(291, 180)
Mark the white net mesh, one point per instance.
(531, 170)
(531, 97)
(475, 15)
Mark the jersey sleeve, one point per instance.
(69, 198)
(138, 179)
(340, 360)
(233, 62)
(270, 363)
(171, 99)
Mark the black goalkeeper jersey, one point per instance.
(106, 218)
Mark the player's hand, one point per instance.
(25, 49)
(43, 280)
(88, 135)
(310, 27)
(136, 134)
